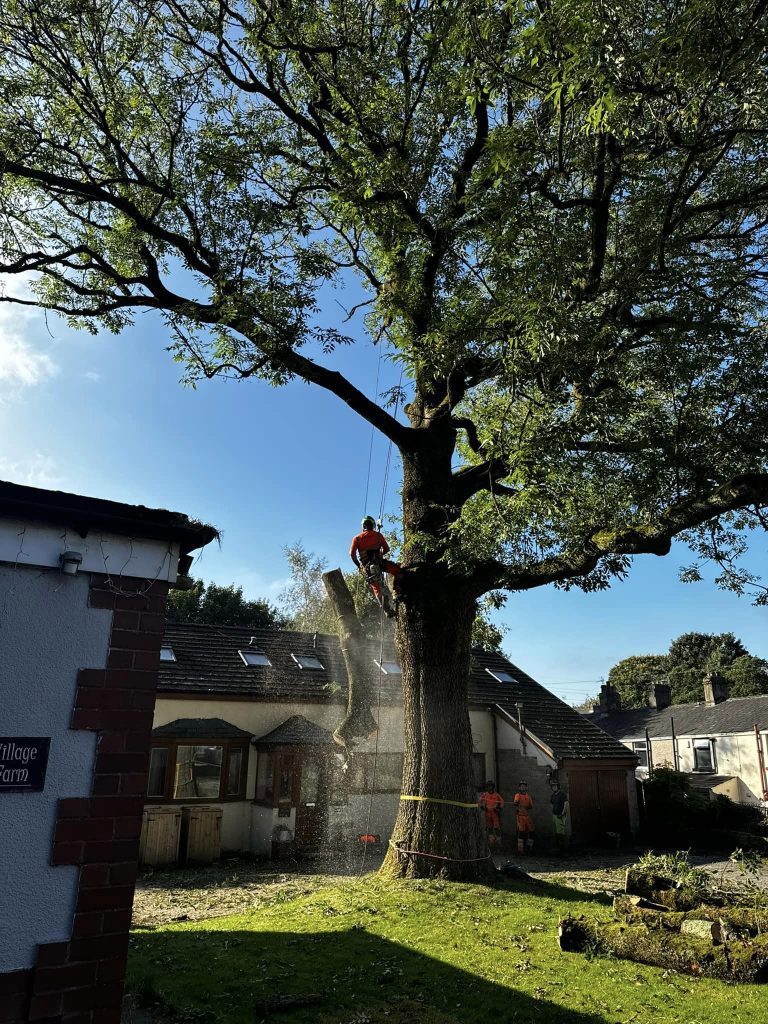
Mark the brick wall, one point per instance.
(81, 981)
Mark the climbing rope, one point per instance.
(381, 612)
(389, 453)
(373, 430)
(376, 746)
(437, 856)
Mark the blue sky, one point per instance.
(106, 416)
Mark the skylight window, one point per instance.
(255, 658)
(308, 661)
(166, 653)
(500, 675)
(389, 668)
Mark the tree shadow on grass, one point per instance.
(229, 977)
(556, 891)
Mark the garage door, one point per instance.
(599, 803)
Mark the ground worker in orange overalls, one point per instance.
(492, 802)
(367, 552)
(523, 808)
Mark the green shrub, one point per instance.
(676, 810)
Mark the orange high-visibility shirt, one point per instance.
(368, 540)
(523, 804)
(491, 801)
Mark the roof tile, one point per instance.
(207, 662)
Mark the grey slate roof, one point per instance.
(295, 731)
(738, 714)
(550, 719)
(207, 663)
(200, 728)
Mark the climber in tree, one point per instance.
(367, 552)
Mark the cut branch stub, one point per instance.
(358, 723)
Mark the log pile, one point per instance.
(656, 923)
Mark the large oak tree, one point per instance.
(558, 209)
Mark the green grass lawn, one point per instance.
(381, 952)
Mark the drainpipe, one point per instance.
(495, 751)
(649, 753)
(675, 761)
(518, 705)
(761, 762)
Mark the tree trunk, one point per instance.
(434, 640)
(359, 723)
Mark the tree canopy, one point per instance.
(690, 657)
(306, 606)
(220, 606)
(559, 214)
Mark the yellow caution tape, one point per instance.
(435, 800)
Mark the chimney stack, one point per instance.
(609, 700)
(715, 688)
(660, 696)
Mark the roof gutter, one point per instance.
(83, 514)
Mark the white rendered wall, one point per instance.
(735, 754)
(33, 544)
(509, 739)
(259, 718)
(47, 633)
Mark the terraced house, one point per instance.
(720, 741)
(243, 756)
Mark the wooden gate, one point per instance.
(599, 803)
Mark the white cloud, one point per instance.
(22, 363)
(38, 470)
(92, 376)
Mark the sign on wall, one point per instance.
(23, 761)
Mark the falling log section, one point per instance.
(358, 722)
(734, 961)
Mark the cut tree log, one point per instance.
(733, 921)
(626, 904)
(738, 961)
(359, 722)
(709, 931)
(659, 889)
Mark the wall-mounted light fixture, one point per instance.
(70, 562)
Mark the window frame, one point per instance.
(493, 674)
(172, 744)
(388, 668)
(244, 652)
(320, 667)
(640, 750)
(334, 783)
(712, 755)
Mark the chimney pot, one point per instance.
(715, 688)
(609, 700)
(660, 696)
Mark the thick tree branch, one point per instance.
(656, 539)
(60, 183)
